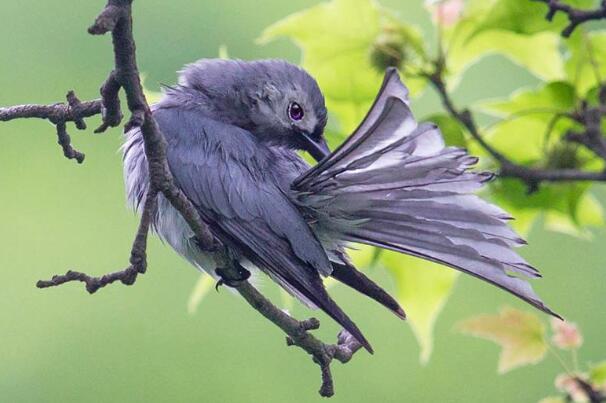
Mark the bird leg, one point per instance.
(228, 279)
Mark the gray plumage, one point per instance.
(233, 129)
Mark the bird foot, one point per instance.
(214, 247)
(229, 280)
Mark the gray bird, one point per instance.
(233, 130)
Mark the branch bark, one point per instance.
(575, 16)
(532, 176)
(128, 276)
(591, 138)
(593, 394)
(298, 335)
(58, 114)
(116, 17)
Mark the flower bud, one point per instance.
(566, 335)
(445, 13)
(388, 50)
(563, 156)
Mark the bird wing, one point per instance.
(231, 181)
(395, 184)
(391, 88)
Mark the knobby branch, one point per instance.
(116, 18)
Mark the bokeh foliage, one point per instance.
(529, 126)
(139, 344)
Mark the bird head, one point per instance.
(276, 101)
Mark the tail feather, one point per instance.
(324, 302)
(298, 280)
(476, 241)
(349, 275)
(395, 184)
(320, 299)
(514, 285)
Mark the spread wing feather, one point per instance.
(395, 184)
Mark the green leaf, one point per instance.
(422, 289)
(589, 211)
(337, 39)
(592, 96)
(530, 135)
(552, 97)
(568, 208)
(586, 211)
(466, 44)
(525, 17)
(521, 336)
(597, 374)
(453, 132)
(539, 53)
(363, 256)
(521, 139)
(586, 66)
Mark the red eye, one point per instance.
(295, 111)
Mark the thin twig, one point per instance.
(54, 113)
(463, 116)
(58, 114)
(592, 138)
(594, 395)
(298, 335)
(575, 16)
(532, 176)
(116, 18)
(138, 261)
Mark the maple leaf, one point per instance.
(520, 334)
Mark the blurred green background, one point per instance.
(139, 344)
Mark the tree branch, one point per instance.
(116, 18)
(593, 394)
(110, 104)
(58, 114)
(532, 176)
(298, 335)
(592, 138)
(128, 276)
(575, 16)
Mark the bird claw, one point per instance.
(231, 281)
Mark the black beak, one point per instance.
(318, 149)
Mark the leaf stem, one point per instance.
(553, 351)
(575, 360)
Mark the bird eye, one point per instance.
(295, 111)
